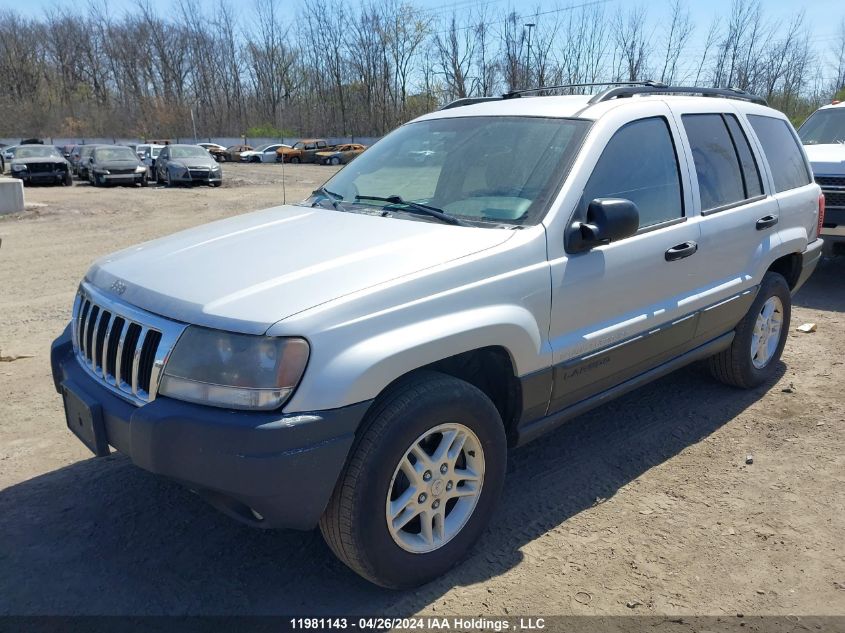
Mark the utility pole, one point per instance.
(529, 26)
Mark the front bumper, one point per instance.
(282, 466)
(183, 178)
(41, 177)
(115, 179)
(809, 260)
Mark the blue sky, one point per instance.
(822, 16)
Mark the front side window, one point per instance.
(639, 164)
(485, 169)
(783, 152)
(824, 127)
(720, 177)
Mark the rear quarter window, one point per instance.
(780, 145)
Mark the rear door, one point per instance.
(739, 216)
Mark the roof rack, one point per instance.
(457, 103)
(658, 88)
(513, 94)
(621, 89)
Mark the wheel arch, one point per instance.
(788, 266)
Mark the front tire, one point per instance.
(421, 483)
(760, 337)
(294, 160)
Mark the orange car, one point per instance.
(305, 151)
(341, 154)
(233, 153)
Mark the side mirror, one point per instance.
(91, 161)
(608, 220)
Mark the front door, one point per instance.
(622, 308)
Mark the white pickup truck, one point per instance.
(363, 360)
(823, 135)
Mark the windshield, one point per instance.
(155, 151)
(489, 169)
(37, 151)
(188, 151)
(824, 127)
(115, 153)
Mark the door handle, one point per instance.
(680, 251)
(766, 221)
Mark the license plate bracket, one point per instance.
(84, 418)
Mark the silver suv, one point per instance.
(363, 360)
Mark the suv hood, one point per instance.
(246, 273)
(827, 159)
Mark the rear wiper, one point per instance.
(417, 207)
(331, 195)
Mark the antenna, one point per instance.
(284, 185)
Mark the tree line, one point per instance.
(335, 69)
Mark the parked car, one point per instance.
(82, 160)
(823, 135)
(115, 165)
(341, 154)
(148, 155)
(264, 154)
(304, 151)
(40, 164)
(9, 152)
(364, 359)
(233, 153)
(216, 150)
(187, 164)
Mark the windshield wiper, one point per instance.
(331, 195)
(416, 207)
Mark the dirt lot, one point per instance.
(645, 502)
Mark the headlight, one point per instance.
(18, 167)
(104, 172)
(238, 371)
(140, 169)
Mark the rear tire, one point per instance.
(758, 344)
(455, 495)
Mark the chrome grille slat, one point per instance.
(119, 357)
(105, 351)
(122, 347)
(136, 359)
(95, 327)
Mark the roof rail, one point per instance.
(457, 103)
(621, 89)
(658, 88)
(517, 93)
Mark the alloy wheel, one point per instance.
(435, 488)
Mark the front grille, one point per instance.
(41, 168)
(830, 181)
(834, 198)
(124, 348)
(199, 174)
(121, 172)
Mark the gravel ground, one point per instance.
(645, 505)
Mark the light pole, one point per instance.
(529, 26)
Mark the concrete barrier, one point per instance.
(11, 196)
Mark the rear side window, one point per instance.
(720, 181)
(782, 151)
(640, 165)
